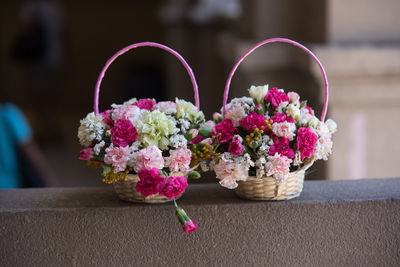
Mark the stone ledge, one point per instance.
(332, 223)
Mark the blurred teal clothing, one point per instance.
(14, 131)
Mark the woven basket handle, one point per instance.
(282, 40)
(132, 46)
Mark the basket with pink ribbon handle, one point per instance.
(143, 146)
(261, 145)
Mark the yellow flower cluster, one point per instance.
(206, 152)
(256, 134)
(112, 177)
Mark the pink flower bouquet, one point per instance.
(261, 145)
(144, 138)
(142, 146)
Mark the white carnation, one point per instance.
(258, 92)
(293, 111)
(305, 116)
(91, 128)
(332, 126)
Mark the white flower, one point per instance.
(91, 128)
(188, 111)
(305, 116)
(278, 167)
(294, 97)
(258, 92)
(97, 148)
(260, 167)
(313, 122)
(293, 111)
(332, 126)
(130, 101)
(281, 106)
(297, 159)
(204, 167)
(184, 125)
(178, 140)
(130, 112)
(209, 124)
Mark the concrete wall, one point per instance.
(333, 223)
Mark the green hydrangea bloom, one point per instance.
(155, 128)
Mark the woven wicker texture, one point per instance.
(126, 190)
(266, 188)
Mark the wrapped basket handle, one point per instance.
(281, 40)
(151, 44)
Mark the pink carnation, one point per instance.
(126, 112)
(275, 97)
(150, 182)
(146, 104)
(123, 133)
(148, 158)
(173, 187)
(236, 147)
(85, 154)
(284, 129)
(306, 139)
(229, 172)
(164, 106)
(281, 117)
(253, 120)
(118, 157)
(224, 130)
(281, 146)
(179, 160)
(310, 111)
(189, 227)
(106, 115)
(278, 167)
(234, 112)
(210, 124)
(196, 140)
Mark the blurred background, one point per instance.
(51, 52)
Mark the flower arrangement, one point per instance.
(269, 134)
(145, 138)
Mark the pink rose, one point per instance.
(306, 139)
(179, 160)
(275, 97)
(146, 104)
(106, 115)
(150, 182)
(85, 154)
(118, 157)
(148, 158)
(173, 187)
(236, 147)
(123, 133)
(253, 120)
(189, 227)
(224, 130)
(281, 146)
(281, 117)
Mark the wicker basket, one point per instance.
(266, 188)
(126, 190)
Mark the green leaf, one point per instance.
(194, 175)
(205, 131)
